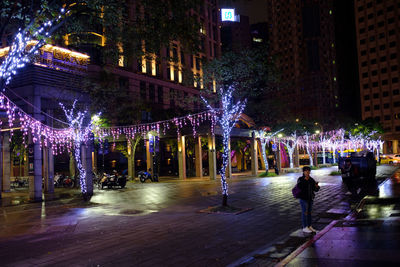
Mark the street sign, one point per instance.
(274, 147)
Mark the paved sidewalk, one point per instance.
(368, 237)
(158, 224)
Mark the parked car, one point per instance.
(390, 159)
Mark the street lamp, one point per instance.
(321, 129)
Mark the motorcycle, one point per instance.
(63, 181)
(144, 175)
(111, 181)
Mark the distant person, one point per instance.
(307, 187)
(350, 176)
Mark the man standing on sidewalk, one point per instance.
(307, 187)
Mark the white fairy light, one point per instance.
(227, 117)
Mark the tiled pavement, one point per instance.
(370, 236)
(158, 224)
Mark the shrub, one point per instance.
(324, 165)
(267, 174)
(292, 170)
(335, 173)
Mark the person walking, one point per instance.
(307, 186)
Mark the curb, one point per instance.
(300, 249)
(249, 257)
(350, 217)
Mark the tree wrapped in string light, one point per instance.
(308, 147)
(227, 117)
(323, 144)
(265, 137)
(81, 134)
(290, 143)
(19, 54)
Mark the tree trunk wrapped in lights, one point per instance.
(308, 148)
(81, 135)
(227, 117)
(264, 139)
(290, 143)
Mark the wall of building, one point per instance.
(302, 39)
(378, 45)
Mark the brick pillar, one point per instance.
(182, 157)
(254, 155)
(86, 157)
(395, 144)
(278, 157)
(212, 157)
(35, 181)
(50, 188)
(296, 157)
(72, 171)
(259, 149)
(6, 162)
(198, 156)
(45, 169)
(130, 163)
(149, 158)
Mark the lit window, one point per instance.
(121, 61)
(153, 67)
(171, 72)
(143, 64)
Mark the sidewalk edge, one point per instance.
(300, 249)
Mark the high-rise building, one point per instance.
(235, 35)
(378, 45)
(302, 39)
(158, 81)
(259, 34)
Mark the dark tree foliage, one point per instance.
(125, 24)
(366, 127)
(135, 27)
(110, 97)
(16, 15)
(132, 28)
(253, 74)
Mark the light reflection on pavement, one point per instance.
(152, 207)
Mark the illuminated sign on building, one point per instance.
(228, 14)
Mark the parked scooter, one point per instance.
(111, 181)
(63, 181)
(143, 176)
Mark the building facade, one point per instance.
(302, 39)
(235, 35)
(378, 45)
(158, 80)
